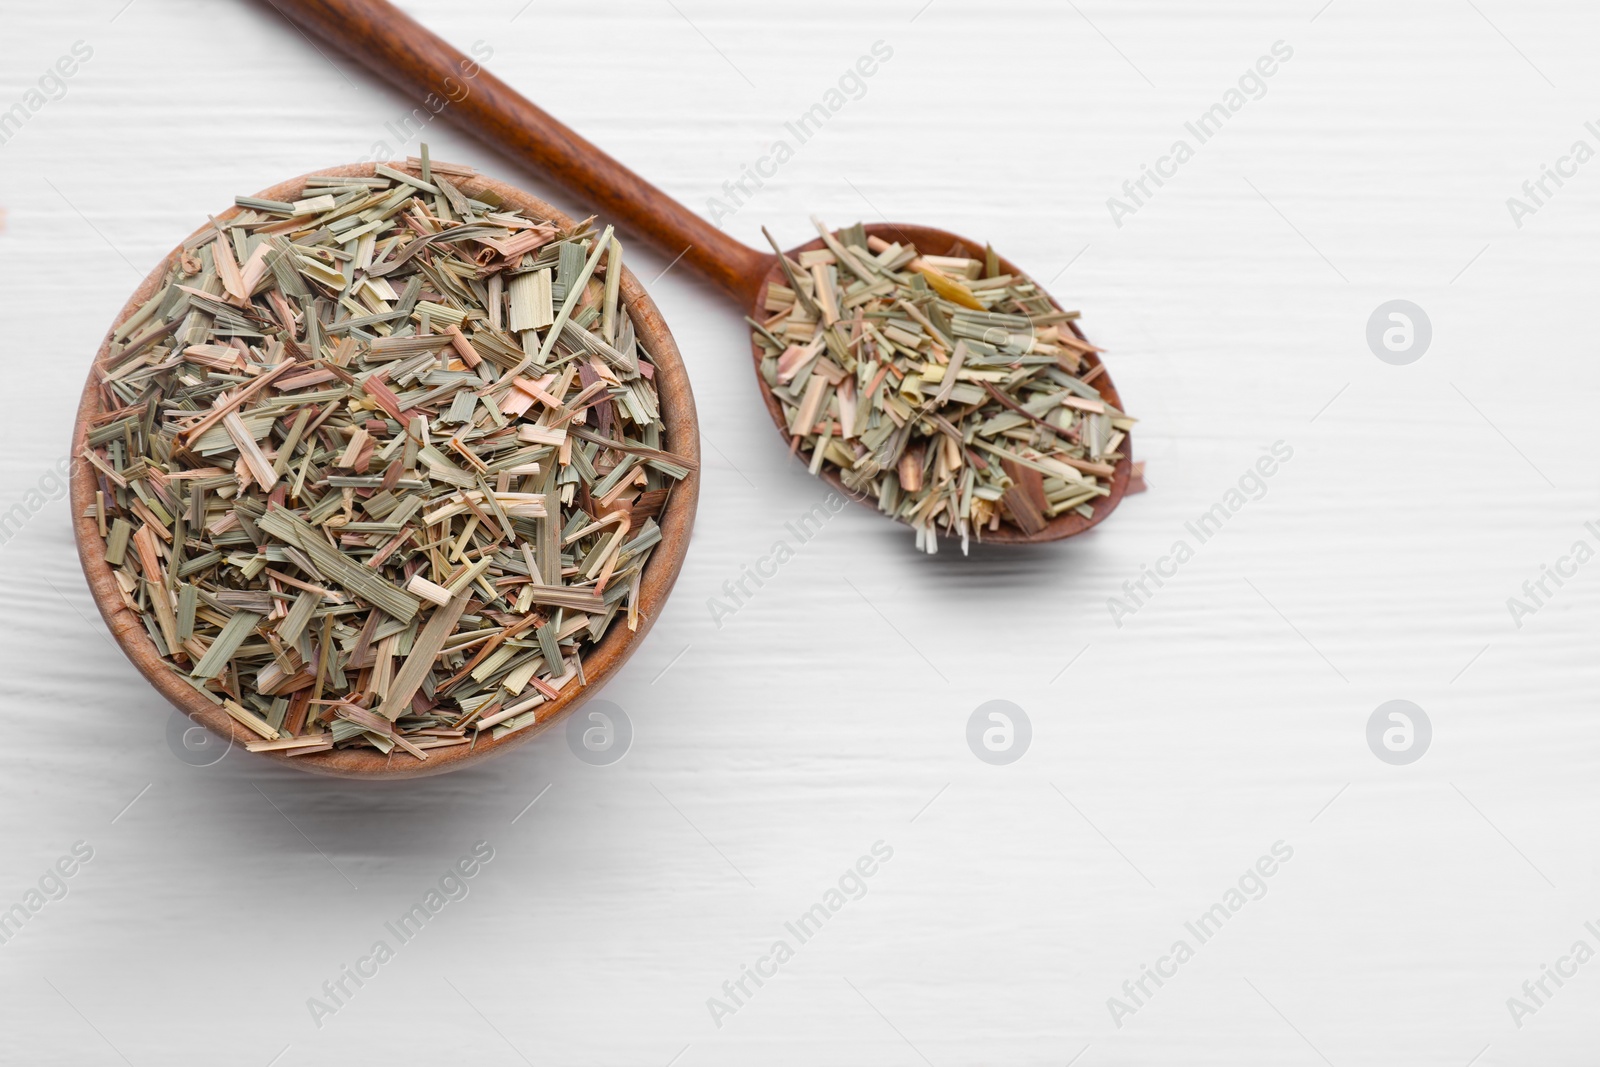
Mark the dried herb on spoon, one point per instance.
(954, 395)
(378, 465)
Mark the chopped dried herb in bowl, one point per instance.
(378, 465)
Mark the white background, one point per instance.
(1229, 713)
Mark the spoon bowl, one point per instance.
(943, 243)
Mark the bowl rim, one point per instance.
(600, 663)
(927, 237)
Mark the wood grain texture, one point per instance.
(772, 746)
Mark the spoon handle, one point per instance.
(418, 62)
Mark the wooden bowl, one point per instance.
(600, 663)
(943, 243)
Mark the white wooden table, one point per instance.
(1168, 755)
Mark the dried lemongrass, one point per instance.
(955, 396)
(373, 468)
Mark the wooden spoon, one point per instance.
(395, 47)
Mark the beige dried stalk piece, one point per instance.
(227, 269)
(249, 719)
(324, 497)
(260, 466)
(955, 396)
(320, 741)
(427, 590)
